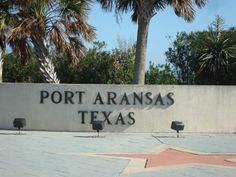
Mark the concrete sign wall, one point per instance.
(126, 108)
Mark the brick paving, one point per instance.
(170, 157)
(66, 154)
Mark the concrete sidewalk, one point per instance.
(66, 154)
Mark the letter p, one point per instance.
(43, 95)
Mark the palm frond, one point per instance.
(49, 19)
(201, 3)
(107, 4)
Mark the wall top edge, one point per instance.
(117, 85)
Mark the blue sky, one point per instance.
(163, 28)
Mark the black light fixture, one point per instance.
(19, 123)
(98, 125)
(178, 126)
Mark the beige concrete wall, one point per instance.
(128, 108)
(1, 64)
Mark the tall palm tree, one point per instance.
(49, 25)
(142, 12)
(4, 17)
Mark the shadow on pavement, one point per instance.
(87, 136)
(12, 134)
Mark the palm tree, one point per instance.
(142, 12)
(3, 28)
(46, 26)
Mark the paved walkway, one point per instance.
(54, 154)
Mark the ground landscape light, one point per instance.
(98, 125)
(178, 126)
(19, 123)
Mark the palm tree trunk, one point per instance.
(141, 48)
(45, 62)
(1, 64)
(48, 70)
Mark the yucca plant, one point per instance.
(216, 51)
(46, 26)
